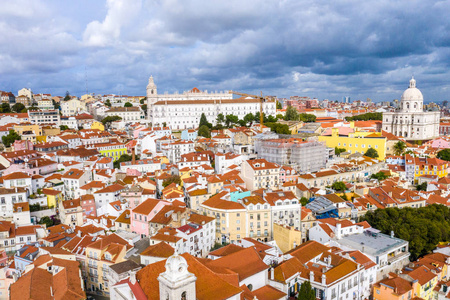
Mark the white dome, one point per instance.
(412, 99)
(176, 267)
(412, 94)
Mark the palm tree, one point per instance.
(399, 148)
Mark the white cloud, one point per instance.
(120, 13)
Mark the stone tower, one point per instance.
(152, 92)
(177, 283)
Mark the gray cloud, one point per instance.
(316, 48)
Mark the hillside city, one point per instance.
(223, 195)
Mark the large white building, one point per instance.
(410, 121)
(182, 111)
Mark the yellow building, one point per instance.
(230, 218)
(97, 125)
(28, 131)
(54, 197)
(356, 142)
(113, 150)
(100, 254)
(287, 238)
(427, 166)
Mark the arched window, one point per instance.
(415, 105)
(183, 296)
(250, 287)
(407, 105)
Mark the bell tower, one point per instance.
(152, 92)
(177, 283)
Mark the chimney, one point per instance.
(324, 279)
(133, 277)
(272, 272)
(392, 233)
(311, 276)
(133, 157)
(338, 231)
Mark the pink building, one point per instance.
(3, 258)
(439, 143)
(23, 145)
(288, 174)
(38, 166)
(143, 213)
(88, 204)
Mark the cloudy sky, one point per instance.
(317, 48)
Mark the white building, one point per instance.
(71, 107)
(26, 92)
(410, 121)
(182, 111)
(8, 197)
(142, 165)
(128, 114)
(44, 117)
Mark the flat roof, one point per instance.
(374, 244)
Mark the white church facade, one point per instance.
(410, 121)
(183, 111)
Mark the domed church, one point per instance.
(410, 121)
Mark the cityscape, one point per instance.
(173, 155)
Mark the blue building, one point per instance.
(25, 256)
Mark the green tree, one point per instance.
(231, 120)
(128, 104)
(422, 227)
(144, 108)
(164, 124)
(56, 105)
(338, 151)
(108, 102)
(306, 292)
(123, 158)
(372, 153)
(67, 97)
(307, 118)
(291, 114)
(444, 154)
(304, 201)
(109, 119)
(18, 107)
(171, 179)
(366, 117)
(220, 119)
(204, 131)
(142, 101)
(278, 128)
(270, 119)
(280, 117)
(5, 107)
(9, 139)
(339, 186)
(204, 121)
(249, 118)
(379, 176)
(63, 127)
(47, 221)
(422, 187)
(399, 148)
(279, 106)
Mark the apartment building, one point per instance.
(303, 156)
(259, 173)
